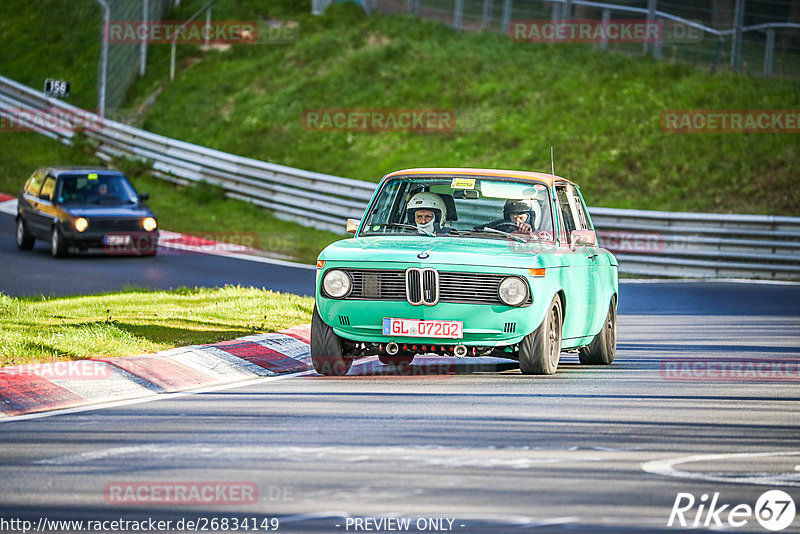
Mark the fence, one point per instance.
(120, 63)
(716, 34)
(645, 242)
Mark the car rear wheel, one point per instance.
(397, 360)
(24, 239)
(57, 246)
(540, 350)
(326, 349)
(602, 348)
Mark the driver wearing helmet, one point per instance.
(428, 212)
(521, 214)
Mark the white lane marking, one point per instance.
(433, 456)
(701, 280)
(162, 396)
(9, 207)
(667, 468)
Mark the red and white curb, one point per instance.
(69, 384)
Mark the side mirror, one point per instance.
(582, 237)
(144, 196)
(352, 225)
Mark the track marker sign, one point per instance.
(56, 88)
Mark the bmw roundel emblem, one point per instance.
(423, 255)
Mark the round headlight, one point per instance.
(149, 224)
(81, 224)
(336, 283)
(513, 291)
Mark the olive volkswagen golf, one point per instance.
(85, 209)
(467, 262)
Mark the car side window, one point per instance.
(34, 184)
(580, 209)
(47, 189)
(565, 209)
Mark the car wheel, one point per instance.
(57, 246)
(397, 360)
(326, 349)
(540, 350)
(24, 238)
(602, 348)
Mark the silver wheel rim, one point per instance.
(54, 242)
(611, 330)
(19, 232)
(554, 336)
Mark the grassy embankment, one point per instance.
(136, 321)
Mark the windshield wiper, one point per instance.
(407, 227)
(500, 232)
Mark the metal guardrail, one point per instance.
(645, 242)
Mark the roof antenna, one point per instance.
(552, 163)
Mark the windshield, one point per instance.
(458, 206)
(95, 189)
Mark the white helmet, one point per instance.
(428, 201)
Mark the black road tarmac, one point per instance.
(699, 413)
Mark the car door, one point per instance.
(580, 277)
(28, 204)
(46, 208)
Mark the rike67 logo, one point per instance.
(774, 510)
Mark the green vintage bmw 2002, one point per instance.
(467, 262)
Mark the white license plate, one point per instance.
(423, 328)
(118, 240)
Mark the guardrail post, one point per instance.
(486, 19)
(458, 13)
(506, 21)
(413, 7)
(736, 47)
(567, 10)
(769, 51)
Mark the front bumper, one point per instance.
(484, 325)
(131, 242)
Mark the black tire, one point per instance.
(397, 360)
(326, 349)
(24, 238)
(604, 345)
(540, 350)
(58, 248)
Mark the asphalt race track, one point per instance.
(701, 404)
(36, 272)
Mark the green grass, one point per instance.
(136, 321)
(601, 112)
